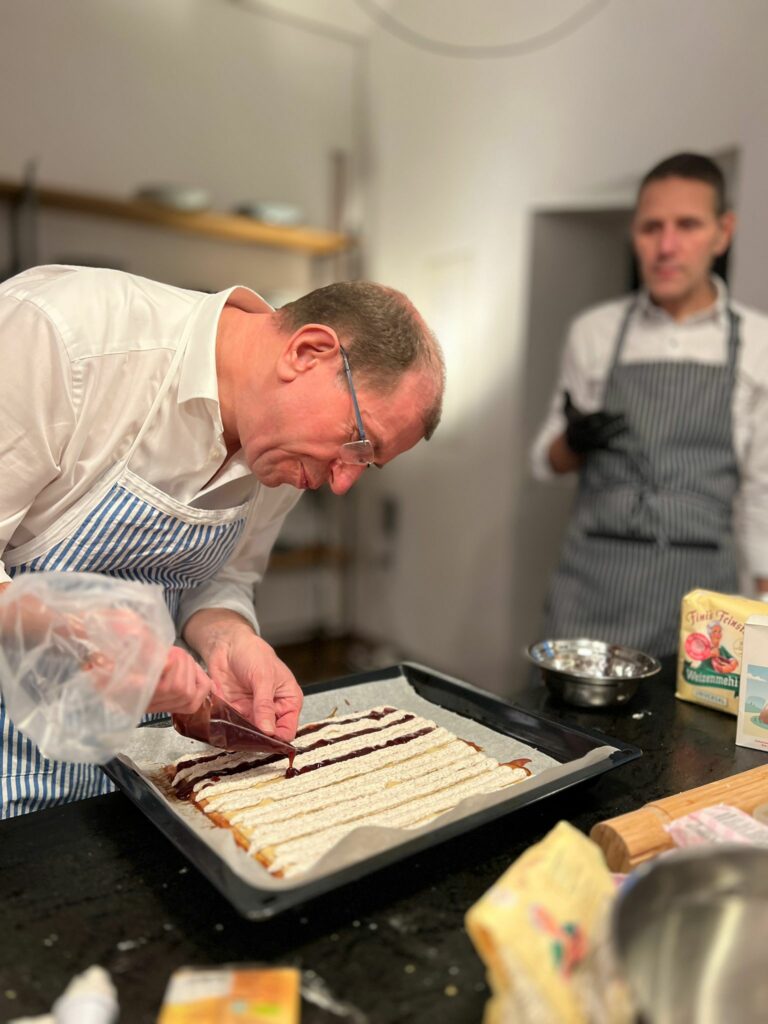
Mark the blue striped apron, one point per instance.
(653, 514)
(123, 527)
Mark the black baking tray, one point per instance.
(564, 743)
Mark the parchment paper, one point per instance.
(151, 749)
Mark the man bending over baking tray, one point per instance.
(159, 434)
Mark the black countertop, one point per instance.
(94, 882)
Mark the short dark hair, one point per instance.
(694, 167)
(382, 331)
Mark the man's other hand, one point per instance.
(587, 432)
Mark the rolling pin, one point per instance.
(630, 839)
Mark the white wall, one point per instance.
(464, 150)
(108, 95)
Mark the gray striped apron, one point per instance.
(653, 514)
(123, 527)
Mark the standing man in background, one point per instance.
(661, 407)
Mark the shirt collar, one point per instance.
(716, 312)
(198, 368)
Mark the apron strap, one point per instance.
(162, 391)
(621, 337)
(734, 339)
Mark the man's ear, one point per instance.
(727, 222)
(310, 346)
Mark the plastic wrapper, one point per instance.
(80, 656)
(718, 824)
(219, 725)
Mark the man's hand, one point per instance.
(587, 432)
(246, 672)
(183, 685)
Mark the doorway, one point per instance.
(579, 258)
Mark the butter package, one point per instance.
(752, 721)
(232, 995)
(540, 929)
(711, 646)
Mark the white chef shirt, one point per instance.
(653, 336)
(82, 353)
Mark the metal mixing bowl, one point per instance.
(691, 930)
(591, 673)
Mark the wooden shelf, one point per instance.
(313, 241)
(310, 557)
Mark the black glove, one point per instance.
(587, 431)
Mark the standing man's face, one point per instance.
(677, 234)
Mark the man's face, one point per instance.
(313, 416)
(677, 234)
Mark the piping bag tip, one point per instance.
(218, 724)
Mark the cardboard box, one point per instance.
(752, 716)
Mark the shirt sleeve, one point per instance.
(36, 408)
(574, 377)
(233, 586)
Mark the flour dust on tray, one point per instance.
(383, 767)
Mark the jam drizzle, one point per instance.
(185, 788)
(305, 730)
(396, 742)
(520, 762)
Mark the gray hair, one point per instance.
(383, 332)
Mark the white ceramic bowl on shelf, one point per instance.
(281, 214)
(184, 198)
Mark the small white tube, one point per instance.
(90, 998)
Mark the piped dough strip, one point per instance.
(455, 756)
(292, 857)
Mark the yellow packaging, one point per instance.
(232, 995)
(537, 926)
(711, 646)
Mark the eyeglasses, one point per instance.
(355, 453)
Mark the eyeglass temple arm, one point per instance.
(355, 406)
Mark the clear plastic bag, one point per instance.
(80, 656)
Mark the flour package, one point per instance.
(709, 662)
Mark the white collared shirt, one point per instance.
(83, 352)
(653, 336)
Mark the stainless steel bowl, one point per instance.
(591, 673)
(690, 931)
